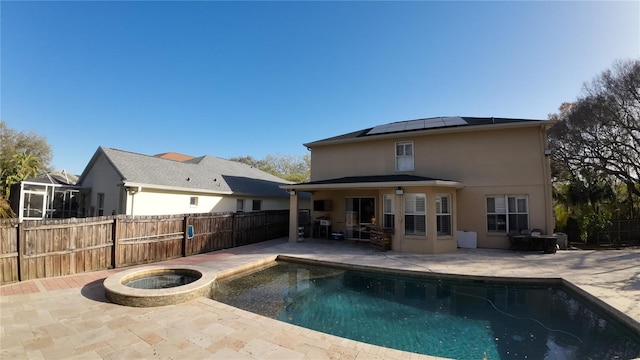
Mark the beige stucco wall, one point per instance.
(159, 202)
(505, 161)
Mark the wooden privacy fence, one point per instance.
(49, 248)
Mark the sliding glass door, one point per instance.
(360, 215)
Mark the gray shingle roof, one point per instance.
(372, 179)
(205, 173)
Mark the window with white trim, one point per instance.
(388, 213)
(193, 201)
(257, 205)
(240, 205)
(415, 214)
(507, 213)
(404, 156)
(100, 204)
(443, 214)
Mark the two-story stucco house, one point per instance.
(123, 182)
(429, 181)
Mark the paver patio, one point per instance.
(69, 317)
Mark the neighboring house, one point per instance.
(123, 182)
(51, 195)
(427, 179)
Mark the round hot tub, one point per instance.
(158, 285)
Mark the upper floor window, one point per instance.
(193, 201)
(404, 156)
(415, 214)
(443, 214)
(507, 213)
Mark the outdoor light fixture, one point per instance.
(399, 191)
(291, 192)
(547, 152)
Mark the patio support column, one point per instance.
(398, 224)
(293, 216)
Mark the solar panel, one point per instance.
(418, 124)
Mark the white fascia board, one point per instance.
(173, 188)
(373, 185)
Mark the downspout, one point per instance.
(546, 173)
(133, 191)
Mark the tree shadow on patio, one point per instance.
(95, 291)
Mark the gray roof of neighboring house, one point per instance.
(205, 173)
(425, 124)
(61, 177)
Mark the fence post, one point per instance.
(185, 234)
(114, 250)
(233, 230)
(20, 247)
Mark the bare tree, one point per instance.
(600, 132)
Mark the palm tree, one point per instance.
(23, 166)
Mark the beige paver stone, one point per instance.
(181, 344)
(57, 330)
(226, 342)
(151, 338)
(91, 336)
(104, 350)
(37, 343)
(247, 334)
(86, 356)
(364, 355)
(13, 352)
(314, 353)
(124, 354)
(346, 351)
(35, 355)
(120, 322)
(262, 349)
(226, 353)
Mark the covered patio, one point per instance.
(418, 212)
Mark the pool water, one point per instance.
(455, 319)
(160, 281)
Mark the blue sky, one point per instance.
(258, 78)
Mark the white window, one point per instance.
(388, 219)
(257, 205)
(443, 214)
(415, 214)
(100, 204)
(193, 201)
(507, 213)
(404, 156)
(240, 205)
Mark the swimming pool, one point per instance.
(430, 315)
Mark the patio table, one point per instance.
(547, 242)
